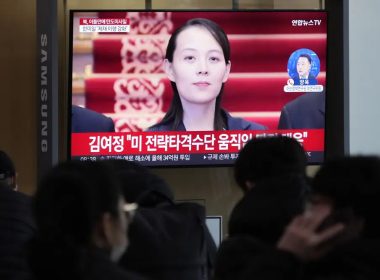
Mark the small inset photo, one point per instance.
(303, 69)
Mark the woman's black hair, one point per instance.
(175, 112)
(69, 203)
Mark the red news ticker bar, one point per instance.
(104, 21)
(133, 143)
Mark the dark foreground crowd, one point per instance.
(118, 220)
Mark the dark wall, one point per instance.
(18, 92)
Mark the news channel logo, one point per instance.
(310, 69)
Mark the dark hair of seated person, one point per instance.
(271, 157)
(69, 205)
(140, 185)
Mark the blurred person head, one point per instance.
(304, 66)
(271, 157)
(139, 185)
(7, 171)
(79, 209)
(351, 186)
(197, 63)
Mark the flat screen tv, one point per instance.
(200, 103)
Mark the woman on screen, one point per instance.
(198, 64)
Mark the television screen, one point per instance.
(190, 88)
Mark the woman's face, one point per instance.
(198, 67)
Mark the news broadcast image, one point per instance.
(120, 89)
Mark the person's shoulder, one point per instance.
(165, 126)
(253, 125)
(235, 123)
(17, 207)
(183, 209)
(158, 127)
(86, 120)
(8, 194)
(86, 113)
(19, 202)
(308, 100)
(163, 218)
(306, 111)
(191, 207)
